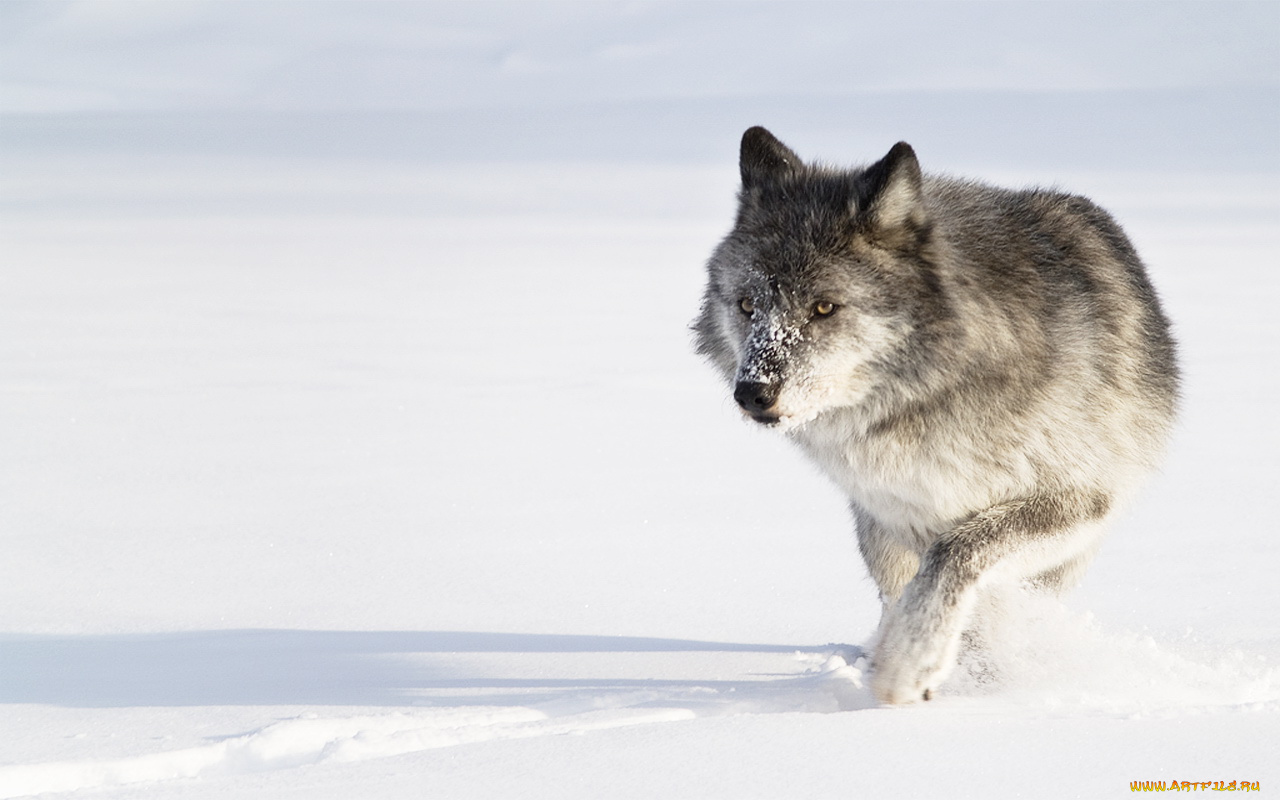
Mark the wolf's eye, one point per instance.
(824, 309)
(746, 305)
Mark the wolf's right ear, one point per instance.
(763, 158)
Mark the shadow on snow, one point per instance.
(287, 667)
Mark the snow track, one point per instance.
(314, 739)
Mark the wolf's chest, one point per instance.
(915, 487)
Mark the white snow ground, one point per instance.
(364, 454)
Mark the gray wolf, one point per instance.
(986, 373)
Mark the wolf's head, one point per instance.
(824, 284)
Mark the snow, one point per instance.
(355, 446)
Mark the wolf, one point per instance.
(986, 373)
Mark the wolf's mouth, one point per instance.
(783, 423)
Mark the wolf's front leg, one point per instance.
(919, 640)
(919, 637)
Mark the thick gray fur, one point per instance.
(985, 372)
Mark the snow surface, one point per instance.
(354, 446)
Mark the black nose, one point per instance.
(755, 397)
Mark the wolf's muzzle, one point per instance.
(757, 399)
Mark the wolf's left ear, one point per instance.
(763, 158)
(891, 205)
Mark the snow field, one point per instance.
(246, 449)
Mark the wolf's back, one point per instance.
(1068, 278)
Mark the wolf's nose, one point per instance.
(755, 397)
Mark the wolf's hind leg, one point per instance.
(1067, 575)
(920, 636)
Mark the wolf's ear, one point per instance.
(891, 204)
(764, 158)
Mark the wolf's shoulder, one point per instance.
(1030, 224)
(968, 198)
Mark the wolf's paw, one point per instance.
(909, 663)
(897, 686)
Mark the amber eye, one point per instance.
(746, 305)
(824, 309)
